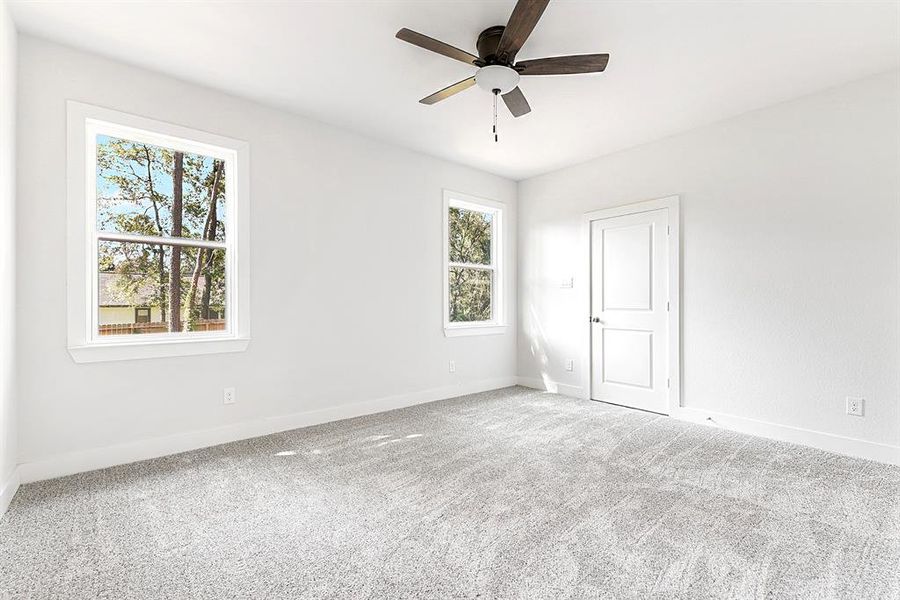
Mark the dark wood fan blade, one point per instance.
(449, 91)
(516, 103)
(564, 65)
(423, 41)
(521, 23)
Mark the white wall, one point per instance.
(791, 277)
(7, 255)
(791, 286)
(346, 278)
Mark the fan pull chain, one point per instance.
(496, 93)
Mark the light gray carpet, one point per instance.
(507, 494)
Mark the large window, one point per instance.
(472, 265)
(155, 209)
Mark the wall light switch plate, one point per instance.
(229, 396)
(570, 365)
(855, 406)
(452, 366)
(567, 283)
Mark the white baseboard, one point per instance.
(565, 389)
(108, 456)
(786, 433)
(830, 442)
(8, 489)
(99, 458)
(531, 382)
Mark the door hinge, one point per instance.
(667, 306)
(668, 383)
(668, 229)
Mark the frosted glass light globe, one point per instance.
(497, 77)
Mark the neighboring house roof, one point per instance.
(117, 290)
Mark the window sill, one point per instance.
(474, 330)
(155, 349)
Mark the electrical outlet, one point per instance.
(570, 365)
(229, 396)
(855, 406)
(452, 366)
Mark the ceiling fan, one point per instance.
(498, 72)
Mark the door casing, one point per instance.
(672, 203)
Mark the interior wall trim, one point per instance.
(8, 489)
(119, 454)
(830, 442)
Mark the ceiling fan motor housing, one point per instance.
(487, 43)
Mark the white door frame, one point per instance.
(672, 203)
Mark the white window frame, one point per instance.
(84, 123)
(497, 324)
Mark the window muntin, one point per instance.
(158, 204)
(473, 282)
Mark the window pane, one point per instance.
(135, 295)
(470, 236)
(470, 295)
(136, 190)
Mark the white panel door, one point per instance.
(629, 310)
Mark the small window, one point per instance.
(472, 274)
(156, 207)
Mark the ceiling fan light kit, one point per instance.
(498, 72)
(497, 79)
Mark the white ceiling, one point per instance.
(673, 66)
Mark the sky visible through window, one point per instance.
(124, 185)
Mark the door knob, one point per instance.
(596, 320)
